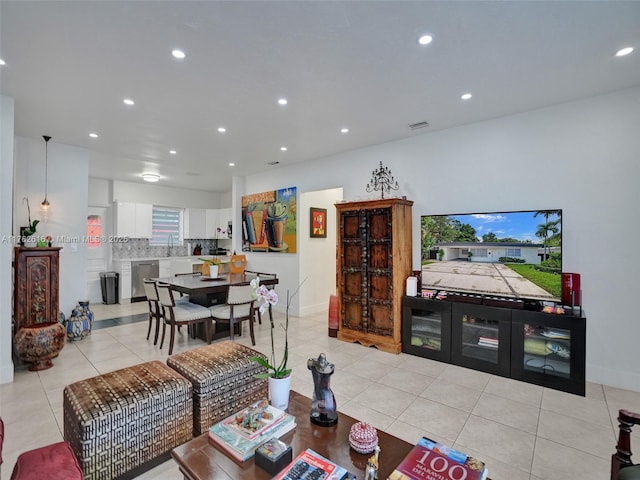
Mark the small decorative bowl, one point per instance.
(363, 437)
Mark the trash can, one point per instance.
(109, 286)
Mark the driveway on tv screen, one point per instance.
(482, 278)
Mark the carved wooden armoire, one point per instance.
(373, 261)
(36, 289)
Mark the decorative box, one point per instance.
(273, 455)
(363, 437)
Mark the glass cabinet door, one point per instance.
(547, 350)
(426, 326)
(481, 337)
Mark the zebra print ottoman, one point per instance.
(122, 423)
(223, 378)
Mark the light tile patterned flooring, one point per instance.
(521, 431)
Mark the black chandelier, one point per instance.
(381, 179)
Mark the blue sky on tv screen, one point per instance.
(519, 225)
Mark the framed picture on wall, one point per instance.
(318, 225)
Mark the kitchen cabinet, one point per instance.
(134, 220)
(212, 217)
(372, 264)
(164, 268)
(203, 223)
(195, 223)
(224, 222)
(123, 267)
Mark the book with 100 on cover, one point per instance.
(429, 460)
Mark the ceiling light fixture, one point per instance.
(222, 129)
(284, 149)
(172, 152)
(282, 101)
(179, 54)
(466, 96)
(344, 130)
(2, 62)
(45, 203)
(150, 177)
(425, 39)
(624, 51)
(128, 101)
(93, 135)
(231, 164)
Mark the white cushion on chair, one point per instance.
(185, 311)
(224, 311)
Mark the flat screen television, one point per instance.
(508, 254)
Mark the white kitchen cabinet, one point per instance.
(123, 267)
(134, 220)
(212, 218)
(195, 223)
(225, 218)
(164, 268)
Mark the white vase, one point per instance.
(279, 392)
(213, 271)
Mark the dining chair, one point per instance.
(239, 307)
(155, 310)
(181, 313)
(237, 263)
(262, 275)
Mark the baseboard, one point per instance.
(614, 378)
(311, 309)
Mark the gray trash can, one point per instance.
(109, 286)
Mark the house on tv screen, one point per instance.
(532, 253)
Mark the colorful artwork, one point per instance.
(269, 221)
(318, 218)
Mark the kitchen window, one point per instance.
(166, 226)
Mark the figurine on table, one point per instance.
(371, 472)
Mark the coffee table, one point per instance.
(200, 459)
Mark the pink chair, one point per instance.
(53, 462)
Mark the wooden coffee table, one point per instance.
(200, 459)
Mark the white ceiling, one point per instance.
(69, 64)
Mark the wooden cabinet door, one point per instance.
(352, 269)
(379, 265)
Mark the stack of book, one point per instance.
(430, 460)
(311, 465)
(488, 342)
(241, 441)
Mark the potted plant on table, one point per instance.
(278, 373)
(210, 267)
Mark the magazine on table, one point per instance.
(429, 460)
(311, 465)
(255, 420)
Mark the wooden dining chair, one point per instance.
(239, 307)
(181, 313)
(155, 310)
(237, 263)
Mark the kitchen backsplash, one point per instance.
(140, 248)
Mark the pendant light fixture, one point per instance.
(45, 203)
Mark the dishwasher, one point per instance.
(141, 269)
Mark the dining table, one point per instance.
(208, 291)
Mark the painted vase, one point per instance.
(78, 324)
(38, 344)
(84, 304)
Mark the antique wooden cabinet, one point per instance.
(373, 262)
(36, 289)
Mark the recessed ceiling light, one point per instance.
(150, 177)
(284, 149)
(2, 62)
(231, 164)
(128, 101)
(425, 39)
(172, 152)
(344, 130)
(624, 51)
(466, 96)
(178, 54)
(282, 101)
(222, 129)
(93, 135)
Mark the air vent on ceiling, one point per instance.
(417, 125)
(273, 163)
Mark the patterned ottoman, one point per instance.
(223, 380)
(122, 423)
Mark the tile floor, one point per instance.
(521, 431)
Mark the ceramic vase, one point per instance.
(78, 324)
(84, 304)
(39, 344)
(279, 392)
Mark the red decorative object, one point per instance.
(571, 289)
(38, 344)
(363, 437)
(333, 316)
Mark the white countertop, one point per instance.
(192, 258)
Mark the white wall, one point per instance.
(165, 196)
(320, 275)
(581, 157)
(7, 107)
(68, 195)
